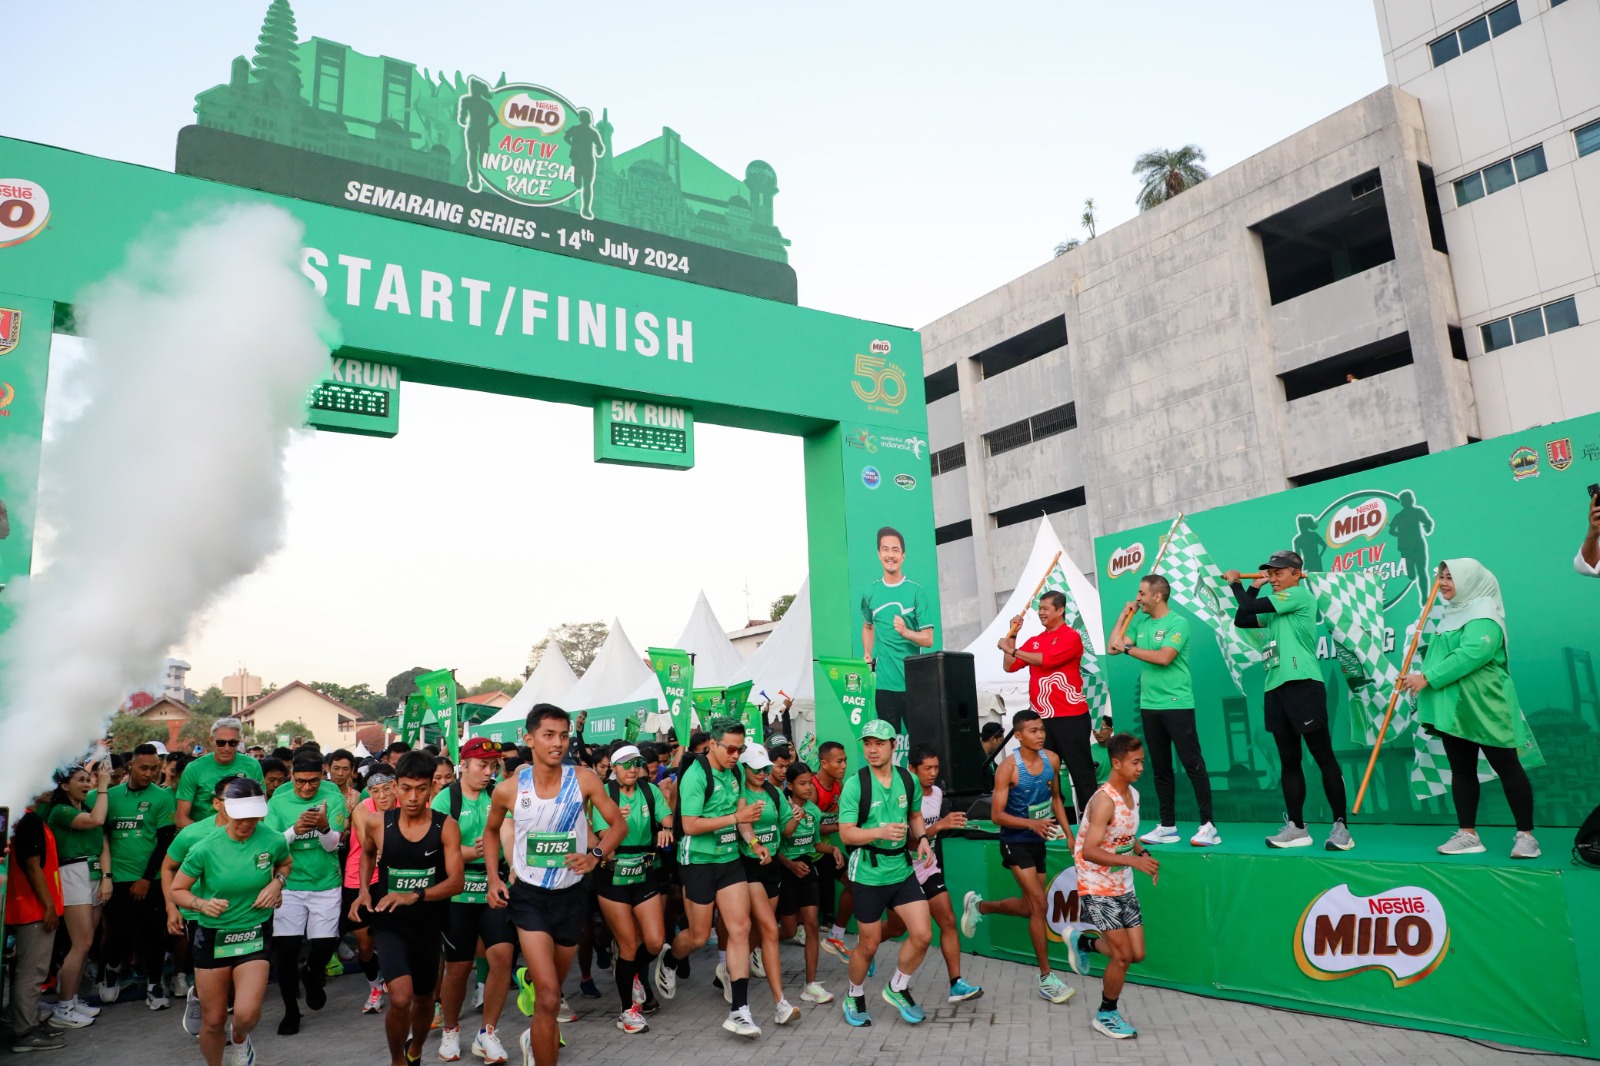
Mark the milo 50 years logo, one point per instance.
(1374, 530)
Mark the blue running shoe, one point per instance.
(961, 991)
(855, 1010)
(1111, 1024)
(1077, 958)
(902, 1002)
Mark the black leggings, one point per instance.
(1068, 736)
(1163, 731)
(1463, 755)
(286, 950)
(1319, 742)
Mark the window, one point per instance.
(1329, 237)
(397, 92)
(1027, 512)
(947, 459)
(1475, 33)
(1430, 201)
(1501, 175)
(327, 93)
(1588, 138)
(1025, 347)
(1042, 425)
(953, 531)
(939, 384)
(1367, 361)
(1529, 325)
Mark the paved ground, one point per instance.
(1010, 1024)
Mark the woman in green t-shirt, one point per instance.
(233, 880)
(1466, 698)
(759, 843)
(799, 893)
(77, 818)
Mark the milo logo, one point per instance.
(1061, 906)
(1402, 932)
(1383, 533)
(1125, 559)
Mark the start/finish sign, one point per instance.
(643, 433)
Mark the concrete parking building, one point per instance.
(1345, 299)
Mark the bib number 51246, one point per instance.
(887, 383)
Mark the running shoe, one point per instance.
(181, 984)
(1111, 1024)
(289, 1024)
(815, 993)
(68, 1016)
(334, 967)
(970, 914)
(438, 1016)
(316, 986)
(39, 1038)
(1055, 989)
(602, 954)
(632, 1022)
(1077, 958)
(477, 996)
(155, 997)
(84, 1008)
(243, 1054)
(757, 967)
(1206, 836)
(837, 948)
(191, 1013)
(855, 1010)
(799, 936)
(902, 1002)
(525, 993)
(724, 982)
(664, 977)
(1462, 842)
(1339, 837)
(588, 989)
(961, 991)
(1162, 834)
(1290, 836)
(110, 985)
(487, 1046)
(785, 1012)
(450, 1044)
(374, 1002)
(526, 1043)
(638, 991)
(1525, 847)
(566, 1013)
(739, 1023)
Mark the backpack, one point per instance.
(455, 800)
(1586, 845)
(649, 801)
(913, 793)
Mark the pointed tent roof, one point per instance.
(617, 675)
(992, 677)
(784, 660)
(550, 682)
(716, 661)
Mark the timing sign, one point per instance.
(361, 397)
(643, 433)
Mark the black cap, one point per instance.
(1284, 560)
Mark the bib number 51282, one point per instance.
(887, 382)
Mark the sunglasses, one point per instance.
(733, 749)
(226, 743)
(630, 764)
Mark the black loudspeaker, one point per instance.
(942, 712)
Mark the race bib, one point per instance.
(234, 943)
(727, 840)
(629, 868)
(1042, 809)
(94, 868)
(830, 823)
(549, 850)
(803, 840)
(766, 836)
(476, 886)
(1270, 654)
(125, 827)
(413, 880)
(305, 842)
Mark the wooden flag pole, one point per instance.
(1405, 665)
(1162, 551)
(1011, 634)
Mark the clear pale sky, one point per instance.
(926, 153)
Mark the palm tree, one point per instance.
(1167, 172)
(1087, 218)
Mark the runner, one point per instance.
(924, 765)
(758, 847)
(311, 816)
(77, 816)
(342, 772)
(181, 920)
(828, 781)
(629, 887)
(1106, 899)
(798, 891)
(1028, 808)
(224, 760)
(139, 824)
(233, 879)
(712, 874)
(33, 911)
(471, 919)
(551, 853)
(879, 824)
(444, 775)
(380, 788)
(417, 856)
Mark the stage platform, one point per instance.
(1390, 932)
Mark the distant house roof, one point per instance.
(497, 698)
(344, 711)
(164, 704)
(371, 736)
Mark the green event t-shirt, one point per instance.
(237, 871)
(189, 838)
(641, 833)
(201, 776)
(802, 843)
(316, 869)
(1169, 687)
(879, 606)
(769, 826)
(719, 845)
(77, 843)
(132, 819)
(887, 805)
(474, 816)
(1292, 627)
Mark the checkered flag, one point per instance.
(1095, 692)
(1197, 585)
(1351, 603)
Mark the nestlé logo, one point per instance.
(522, 112)
(1402, 932)
(1125, 559)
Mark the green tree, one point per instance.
(197, 730)
(579, 641)
(1166, 172)
(277, 61)
(268, 738)
(781, 605)
(359, 698)
(495, 684)
(1087, 220)
(404, 683)
(213, 702)
(128, 731)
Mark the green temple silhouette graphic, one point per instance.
(324, 97)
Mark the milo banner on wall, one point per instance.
(675, 670)
(1517, 504)
(24, 356)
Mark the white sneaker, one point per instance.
(68, 1016)
(665, 977)
(1524, 846)
(785, 1012)
(566, 1013)
(632, 1022)
(181, 985)
(110, 986)
(815, 993)
(739, 1023)
(526, 1043)
(757, 967)
(84, 1008)
(374, 1003)
(243, 1054)
(638, 991)
(799, 936)
(487, 1046)
(726, 982)
(1206, 836)
(155, 997)
(970, 915)
(1462, 842)
(450, 1044)
(1161, 834)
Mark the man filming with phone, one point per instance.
(1587, 561)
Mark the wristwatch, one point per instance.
(598, 853)
(282, 879)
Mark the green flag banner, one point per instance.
(852, 687)
(736, 700)
(411, 718)
(675, 670)
(438, 691)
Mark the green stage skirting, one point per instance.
(1390, 932)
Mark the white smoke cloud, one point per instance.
(168, 485)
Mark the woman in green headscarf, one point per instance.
(1466, 698)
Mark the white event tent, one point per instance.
(550, 682)
(619, 680)
(783, 662)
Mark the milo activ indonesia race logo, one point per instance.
(1381, 532)
(529, 144)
